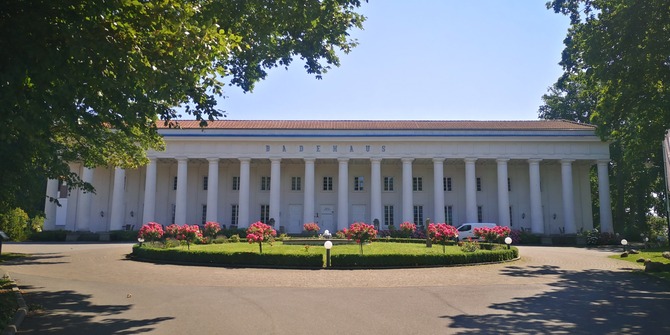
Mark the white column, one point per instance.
(182, 192)
(243, 215)
(470, 190)
(213, 190)
(343, 194)
(503, 193)
(568, 197)
(49, 205)
(407, 195)
(275, 190)
(84, 204)
(536, 221)
(308, 209)
(117, 214)
(604, 197)
(438, 190)
(149, 213)
(376, 190)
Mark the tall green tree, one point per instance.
(616, 65)
(86, 81)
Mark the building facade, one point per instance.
(522, 174)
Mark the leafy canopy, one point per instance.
(86, 81)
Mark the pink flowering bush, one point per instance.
(211, 229)
(172, 231)
(441, 233)
(492, 234)
(151, 231)
(361, 233)
(189, 234)
(259, 232)
(407, 229)
(311, 228)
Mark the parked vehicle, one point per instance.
(468, 229)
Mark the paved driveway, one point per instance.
(92, 289)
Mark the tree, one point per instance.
(617, 76)
(86, 81)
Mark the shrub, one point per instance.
(49, 236)
(211, 229)
(311, 228)
(469, 245)
(151, 232)
(234, 238)
(376, 261)
(361, 233)
(15, 224)
(220, 240)
(36, 224)
(407, 229)
(123, 235)
(240, 232)
(492, 234)
(441, 233)
(190, 234)
(259, 232)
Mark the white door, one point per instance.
(294, 219)
(358, 213)
(326, 218)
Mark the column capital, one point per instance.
(407, 160)
(244, 159)
(438, 160)
(343, 159)
(567, 161)
(376, 159)
(469, 159)
(275, 160)
(603, 161)
(502, 160)
(309, 159)
(213, 159)
(181, 159)
(534, 160)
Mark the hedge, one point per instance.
(402, 260)
(245, 259)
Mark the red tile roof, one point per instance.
(383, 125)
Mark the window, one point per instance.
(265, 183)
(174, 184)
(510, 216)
(388, 184)
(509, 185)
(448, 184)
(236, 183)
(205, 180)
(358, 183)
(204, 214)
(479, 184)
(388, 215)
(479, 214)
(174, 210)
(449, 214)
(296, 184)
(234, 214)
(417, 184)
(265, 213)
(327, 183)
(418, 215)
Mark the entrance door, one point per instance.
(326, 218)
(294, 219)
(358, 213)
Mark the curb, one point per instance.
(13, 327)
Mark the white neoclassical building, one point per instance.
(523, 174)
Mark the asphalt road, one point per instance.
(93, 289)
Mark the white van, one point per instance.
(468, 229)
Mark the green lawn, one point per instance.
(374, 248)
(8, 305)
(655, 255)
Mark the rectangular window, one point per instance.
(204, 214)
(234, 214)
(296, 184)
(388, 215)
(448, 184)
(388, 184)
(509, 185)
(205, 181)
(174, 184)
(174, 210)
(265, 183)
(417, 184)
(449, 214)
(236, 183)
(358, 183)
(265, 213)
(418, 215)
(479, 214)
(327, 183)
(479, 184)
(510, 216)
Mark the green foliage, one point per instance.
(8, 303)
(616, 76)
(49, 236)
(86, 81)
(15, 224)
(469, 246)
(409, 260)
(234, 238)
(123, 235)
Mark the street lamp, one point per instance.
(140, 240)
(328, 245)
(327, 235)
(624, 242)
(508, 241)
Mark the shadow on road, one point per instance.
(36, 259)
(585, 302)
(69, 312)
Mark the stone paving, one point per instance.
(93, 289)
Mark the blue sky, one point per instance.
(424, 60)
